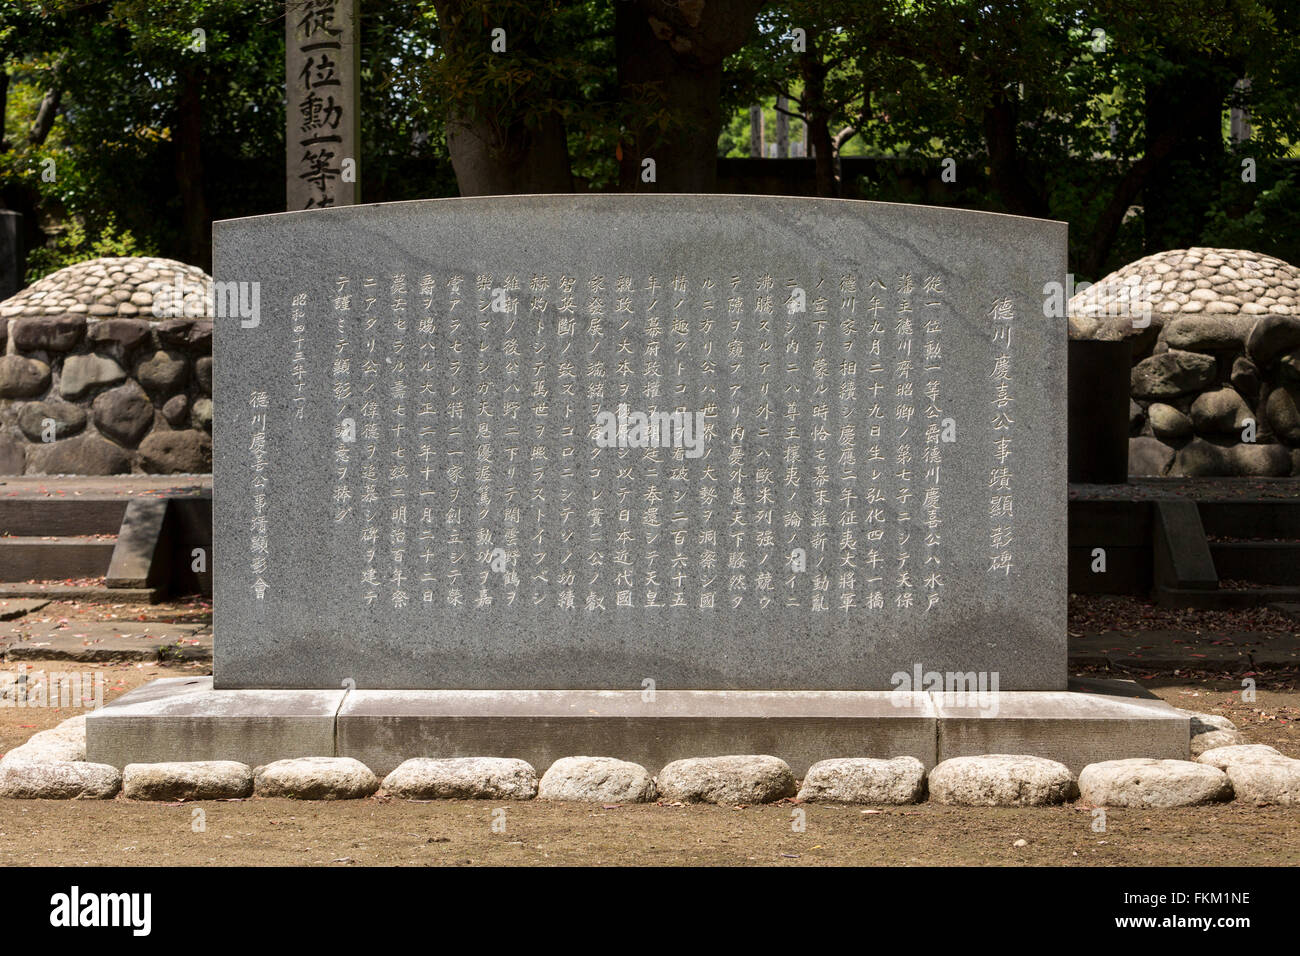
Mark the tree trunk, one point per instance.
(823, 146)
(491, 161)
(4, 109)
(1007, 166)
(1177, 176)
(673, 52)
(195, 221)
(495, 147)
(817, 118)
(45, 115)
(48, 111)
(15, 194)
(782, 128)
(1106, 229)
(1187, 106)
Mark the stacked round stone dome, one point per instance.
(1197, 281)
(106, 368)
(1215, 385)
(104, 288)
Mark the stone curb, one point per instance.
(193, 780)
(58, 780)
(1147, 784)
(462, 778)
(43, 769)
(1001, 780)
(315, 778)
(597, 780)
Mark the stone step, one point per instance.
(60, 514)
(13, 608)
(1259, 518)
(29, 558)
(58, 591)
(1255, 597)
(157, 521)
(1259, 562)
(106, 641)
(1188, 650)
(1228, 598)
(1290, 608)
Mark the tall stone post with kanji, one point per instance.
(322, 115)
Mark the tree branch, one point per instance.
(1112, 216)
(48, 111)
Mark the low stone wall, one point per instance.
(1217, 395)
(82, 395)
(53, 765)
(1215, 382)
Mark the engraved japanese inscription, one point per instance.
(582, 442)
(322, 86)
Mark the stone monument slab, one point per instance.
(594, 442)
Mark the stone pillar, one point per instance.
(782, 128)
(322, 117)
(13, 257)
(756, 132)
(1238, 118)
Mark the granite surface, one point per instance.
(430, 470)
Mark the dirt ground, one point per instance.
(475, 833)
(372, 832)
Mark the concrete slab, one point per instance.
(77, 592)
(18, 607)
(1111, 687)
(95, 642)
(382, 728)
(1076, 727)
(183, 718)
(162, 689)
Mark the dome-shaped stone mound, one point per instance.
(1185, 282)
(128, 287)
(1214, 388)
(106, 368)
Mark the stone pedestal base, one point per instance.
(185, 719)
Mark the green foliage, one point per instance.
(1264, 219)
(904, 82)
(74, 244)
(560, 62)
(733, 138)
(403, 154)
(121, 67)
(1057, 103)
